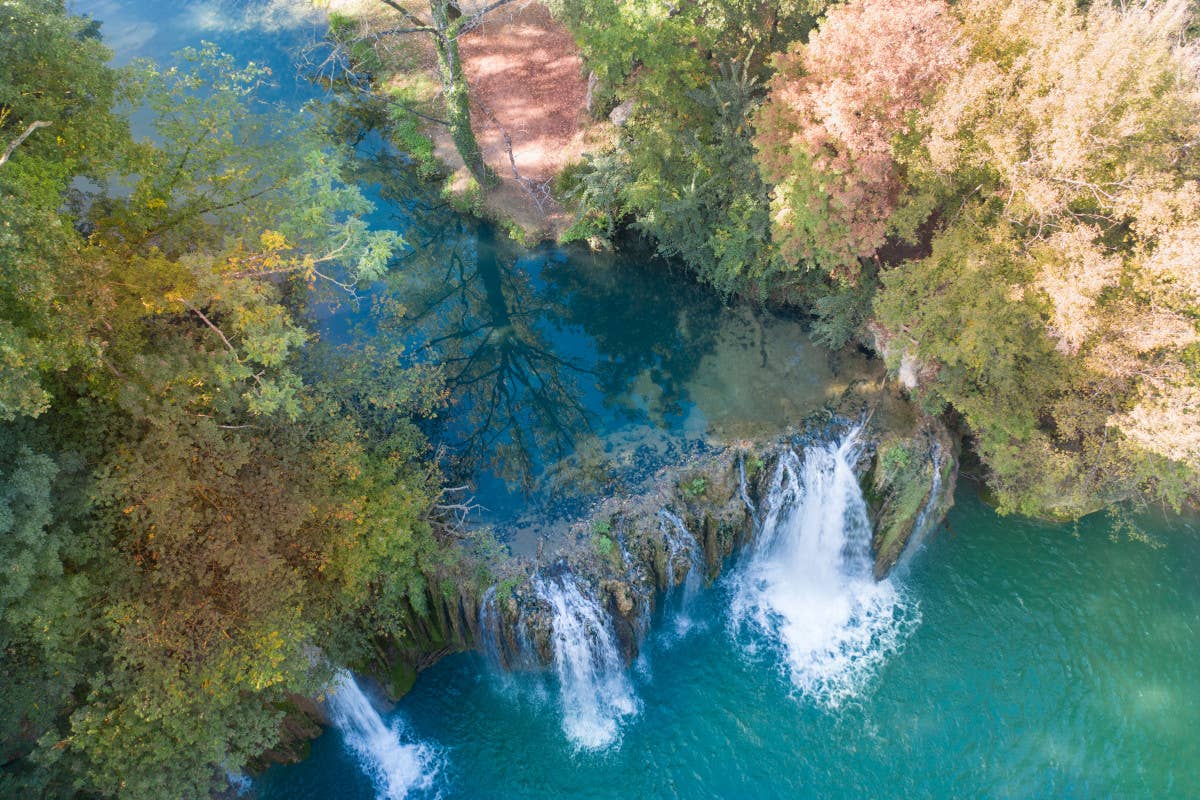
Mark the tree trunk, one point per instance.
(458, 95)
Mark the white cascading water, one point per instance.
(396, 768)
(596, 693)
(806, 584)
(489, 628)
(680, 540)
(744, 490)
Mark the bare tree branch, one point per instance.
(475, 20)
(370, 37)
(404, 12)
(33, 126)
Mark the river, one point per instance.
(1011, 658)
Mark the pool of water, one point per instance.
(1049, 661)
(571, 374)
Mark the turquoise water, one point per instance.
(1050, 661)
(1039, 660)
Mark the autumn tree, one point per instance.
(1065, 150)
(825, 131)
(184, 514)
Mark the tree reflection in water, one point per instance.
(567, 372)
(516, 402)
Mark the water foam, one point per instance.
(396, 768)
(596, 694)
(806, 584)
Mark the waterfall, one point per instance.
(489, 629)
(743, 490)
(395, 768)
(806, 583)
(595, 691)
(679, 540)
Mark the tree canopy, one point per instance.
(186, 510)
(998, 195)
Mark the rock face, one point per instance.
(303, 719)
(910, 487)
(621, 114)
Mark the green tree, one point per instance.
(683, 167)
(188, 515)
(57, 124)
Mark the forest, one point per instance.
(206, 509)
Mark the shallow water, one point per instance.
(1048, 661)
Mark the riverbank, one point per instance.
(528, 94)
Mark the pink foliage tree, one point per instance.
(826, 129)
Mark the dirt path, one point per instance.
(527, 79)
(525, 69)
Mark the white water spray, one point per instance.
(807, 584)
(596, 693)
(395, 768)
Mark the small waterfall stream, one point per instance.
(806, 583)
(595, 691)
(396, 768)
(922, 527)
(743, 488)
(679, 540)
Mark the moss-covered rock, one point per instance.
(909, 488)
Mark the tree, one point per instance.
(187, 516)
(1067, 143)
(825, 131)
(57, 125)
(683, 167)
(447, 22)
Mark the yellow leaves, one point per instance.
(1164, 420)
(1073, 271)
(273, 240)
